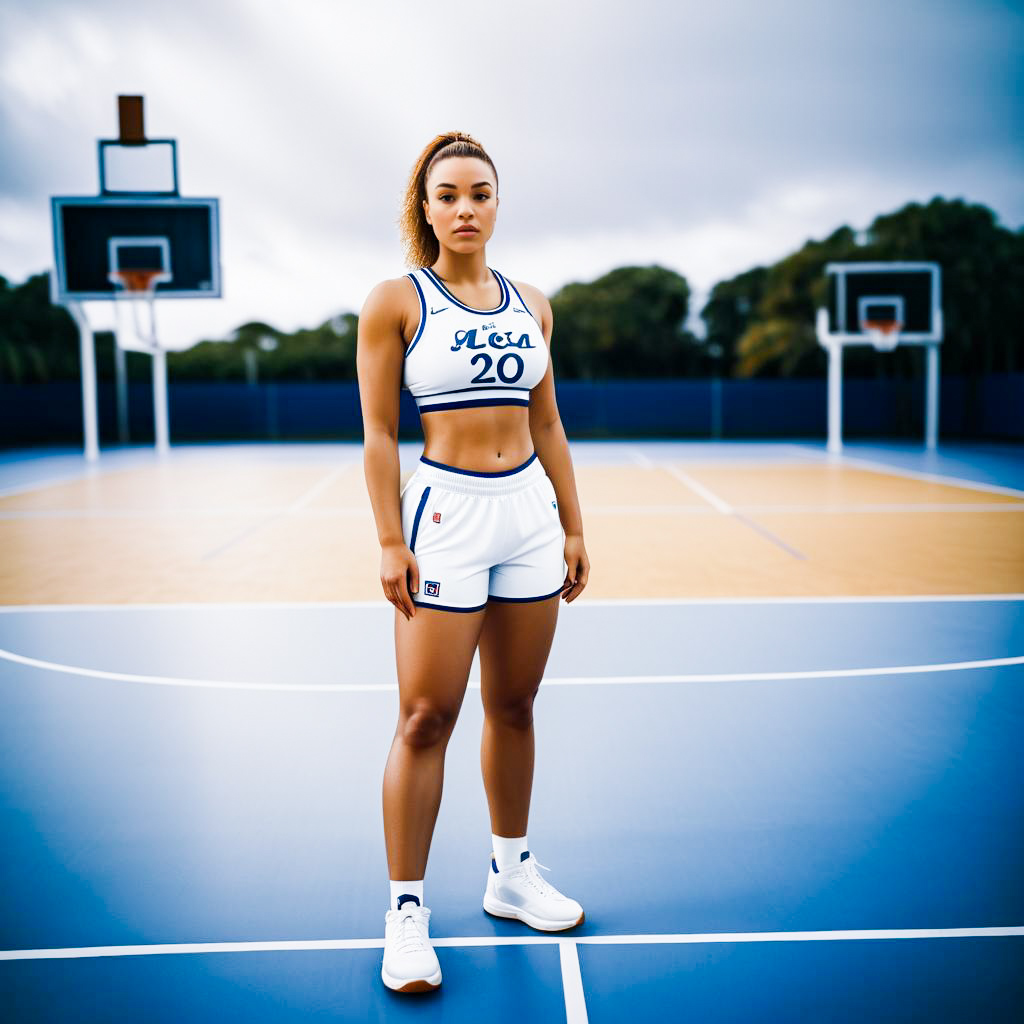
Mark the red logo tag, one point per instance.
(437, 517)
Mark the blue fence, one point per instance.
(989, 407)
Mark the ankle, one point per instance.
(508, 852)
(405, 892)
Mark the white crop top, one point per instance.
(463, 356)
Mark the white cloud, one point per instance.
(706, 139)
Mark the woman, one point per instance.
(478, 545)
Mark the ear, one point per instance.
(426, 206)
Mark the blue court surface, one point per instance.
(781, 808)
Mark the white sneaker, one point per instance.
(520, 892)
(410, 963)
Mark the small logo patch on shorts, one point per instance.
(431, 588)
(437, 517)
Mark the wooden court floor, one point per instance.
(221, 532)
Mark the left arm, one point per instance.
(552, 447)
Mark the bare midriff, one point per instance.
(486, 439)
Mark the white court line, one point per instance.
(295, 506)
(823, 458)
(704, 677)
(358, 512)
(319, 487)
(714, 500)
(86, 473)
(615, 602)
(81, 952)
(572, 983)
(609, 602)
(727, 509)
(221, 512)
(698, 488)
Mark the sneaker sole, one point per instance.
(413, 985)
(497, 908)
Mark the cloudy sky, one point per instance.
(706, 137)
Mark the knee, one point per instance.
(513, 713)
(426, 725)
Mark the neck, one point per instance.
(462, 268)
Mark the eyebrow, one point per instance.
(445, 184)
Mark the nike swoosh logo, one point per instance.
(517, 310)
(441, 310)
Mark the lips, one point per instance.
(467, 231)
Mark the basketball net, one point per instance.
(884, 335)
(137, 289)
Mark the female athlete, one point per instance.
(479, 543)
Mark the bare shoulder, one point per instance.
(388, 294)
(536, 300)
(392, 303)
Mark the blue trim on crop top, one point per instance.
(423, 313)
(500, 308)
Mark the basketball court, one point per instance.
(777, 742)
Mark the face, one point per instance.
(461, 194)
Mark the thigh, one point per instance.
(514, 645)
(433, 654)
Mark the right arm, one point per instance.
(380, 351)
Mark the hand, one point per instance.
(399, 576)
(579, 567)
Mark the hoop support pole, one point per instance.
(87, 359)
(835, 399)
(931, 411)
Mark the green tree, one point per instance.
(627, 323)
(326, 352)
(982, 267)
(779, 338)
(728, 312)
(38, 341)
(982, 279)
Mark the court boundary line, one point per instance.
(915, 474)
(279, 512)
(474, 684)
(353, 512)
(837, 935)
(716, 501)
(572, 982)
(85, 473)
(605, 602)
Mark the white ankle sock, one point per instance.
(399, 889)
(508, 852)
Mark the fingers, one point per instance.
(393, 594)
(398, 583)
(405, 600)
(575, 581)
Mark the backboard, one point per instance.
(884, 305)
(866, 295)
(95, 236)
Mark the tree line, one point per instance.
(631, 322)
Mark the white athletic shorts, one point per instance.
(479, 536)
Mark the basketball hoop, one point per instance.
(137, 287)
(883, 334)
